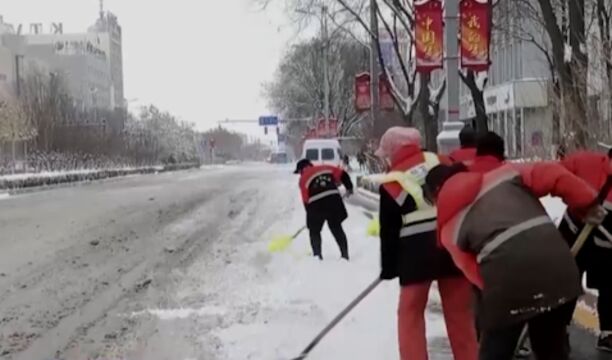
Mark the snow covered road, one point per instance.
(74, 262)
(175, 266)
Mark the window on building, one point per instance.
(518, 132)
(509, 132)
(494, 124)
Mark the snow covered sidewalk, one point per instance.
(298, 295)
(250, 304)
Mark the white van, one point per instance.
(323, 151)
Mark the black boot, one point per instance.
(605, 343)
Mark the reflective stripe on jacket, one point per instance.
(408, 223)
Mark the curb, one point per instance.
(5, 193)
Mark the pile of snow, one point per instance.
(50, 178)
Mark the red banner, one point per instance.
(429, 36)
(475, 34)
(384, 91)
(363, 99)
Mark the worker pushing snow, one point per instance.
(596, 255)
(499, 235)
(323, 202)
(409, 250)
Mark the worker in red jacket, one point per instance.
(323, 202)
(595, 256)
(467, 152)
(500, 236)
(490, 153)
(409, 250)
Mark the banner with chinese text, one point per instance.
(475, 34)
(363, 99)
(429, 36)
(384, 91)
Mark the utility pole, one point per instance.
(451, 29)
(18, 59)
(325, 40)
(374, 71)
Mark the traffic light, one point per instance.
(265, 130)
(277, 130)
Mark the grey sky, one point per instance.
(202, 60)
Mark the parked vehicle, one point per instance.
(323, 152)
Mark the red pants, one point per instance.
(456, 294)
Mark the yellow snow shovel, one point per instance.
(373, 228)
(282, 242)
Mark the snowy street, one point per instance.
(175, 266)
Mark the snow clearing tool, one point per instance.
(282, 242)
(337, 319)
(373, 228)
(578, 244)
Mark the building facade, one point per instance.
(82, 63)
(91, 62)
(109, 32)
(517, 94)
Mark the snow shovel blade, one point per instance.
(373, 228)
(280, 243)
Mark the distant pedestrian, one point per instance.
(323, 202)
(347, 162)
(363, 161)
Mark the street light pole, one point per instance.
(325, 40)
(375, 110)
(451, 26)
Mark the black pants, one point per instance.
(336, 229)
(604, 308)
(547, 333)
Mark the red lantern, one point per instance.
(475, 34)
(429, 36)
(384, 91)
(363, 99)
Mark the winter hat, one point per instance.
(301, 165)
(467, 137)
(437, 176)
(395, 138)
(491, 144)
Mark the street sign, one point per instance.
(268, 120)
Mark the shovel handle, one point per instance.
(337, 319)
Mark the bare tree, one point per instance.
(297, 91)
(410, 92)
(14, 124)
